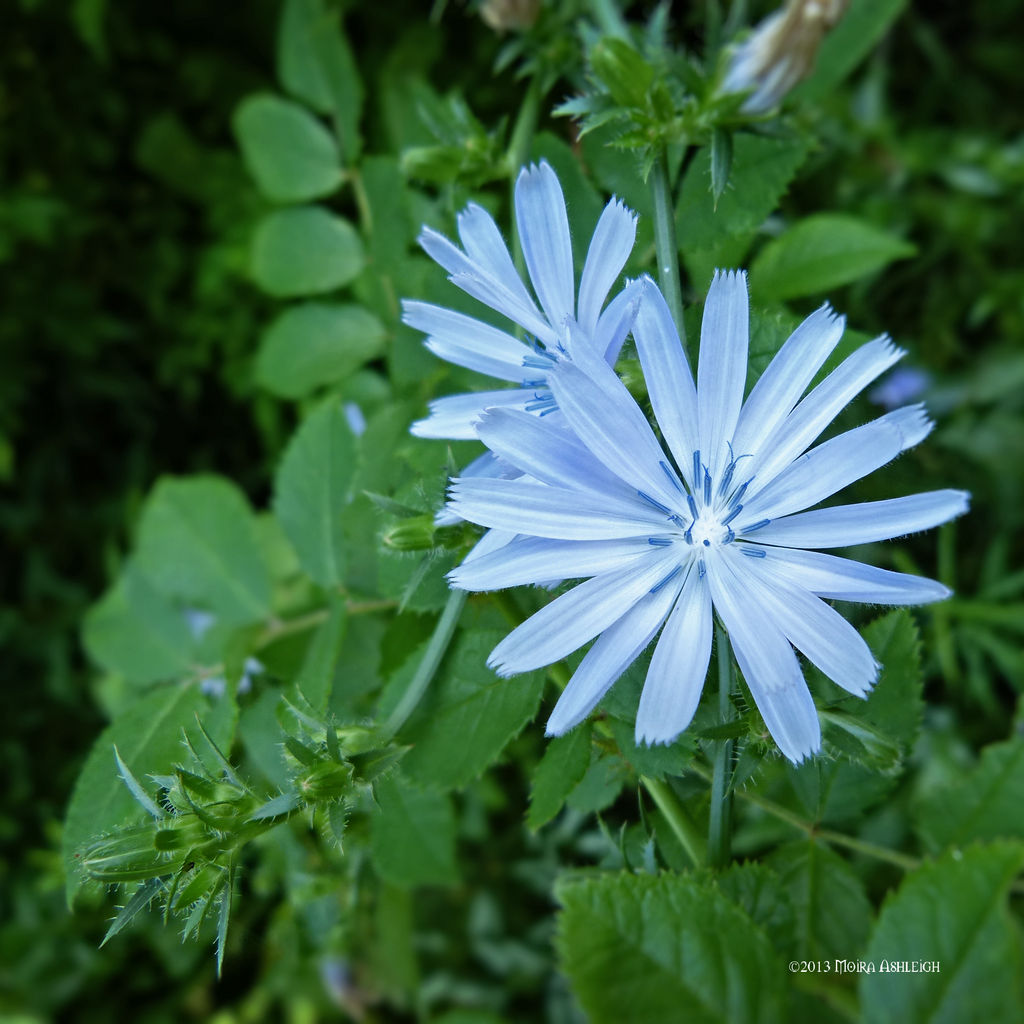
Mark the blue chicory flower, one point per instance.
(484, 269)
(718, 522)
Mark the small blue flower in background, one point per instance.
(484, 269)
(904, 384)
(719, 524)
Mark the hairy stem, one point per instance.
(666, 246)
(720, 820)
(678, 818)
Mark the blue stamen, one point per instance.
(729, 537)
(707, 487)
(660, 542)
(541, 361)
(701, 569)
(738, 496)
(693, 507)
(753, 552)
(540, 383)
(732, 515)
(672, 575)
(547, 412)
(760, 524)
(727, 479)
(696, 466)
(677, 520)
(688, 537)
(657, 504)
(673, 479)
(547, 403)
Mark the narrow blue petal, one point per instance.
(531, 560)
(787, 377)
(824, 470)
(722, 367)
(498, 296)
(541, 449)
(455, 416)
(576, 617)
(613, 652)
(615, 323)
(483, 243)
(774, 452)
(669, 380)
(544, 235)
(814, 628)
(679, 666)
(467, 342)
(768, 663)
(843, 579)
(608, 421)
(538, 510)
(843, 525)
(609, 249)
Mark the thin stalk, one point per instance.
(439, 641)
(720, 819)
(679, 820)
(518, 154)
(665, 244)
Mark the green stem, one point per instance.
(518, 154)
(679, 820)
(439, 641)
(665, 243)
(720, 819)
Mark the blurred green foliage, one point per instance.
(163, 337)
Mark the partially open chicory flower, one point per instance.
(718, 521)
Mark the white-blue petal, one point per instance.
(484, 245)
(552, 455)
(617, 321)
(774, 452)
(823, 471)
(669, 380)
(842, 579)
(576, 617)
(787, 377)
(608, 421)
(454, 417)
(538, 510)
(464, 341)
(613, 652)
(532, 560)
(768, 663)
(814, 627)
(843, 525)
(678, 667)
(544, 236)
(609, 249)
(722, 366)
(497, 295)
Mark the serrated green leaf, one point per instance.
(311, 491)
(283, 803)
(953, 913)
(413, 837)
(140, 899)
(142, 798)
(657, 760)
(601, 784)
(639, 948)
(823, 251)
(986, 804)
(313, 344)
(833, 915)
(197, 541)
(760, 173)
(315, 63)
(468, 715)
(305, 250)
(563, 765)
(760, 893)
(289, 153)
(148, 737)
(138, 633)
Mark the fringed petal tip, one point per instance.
(729, 277)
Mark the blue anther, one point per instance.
(696, 466)
(677, 520)
(688, 536)
(732, 515)
(672, 575)
(541, 361)
(753, 552)
(701, 569)
(659, 542)
(738, 496)
(541, 402)
(729, 537)
(548, 411)
(657, 504)
(760, 524)
(707, 487)
(693, 507)
(727, 479)
(673, 479)
(535, 383)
